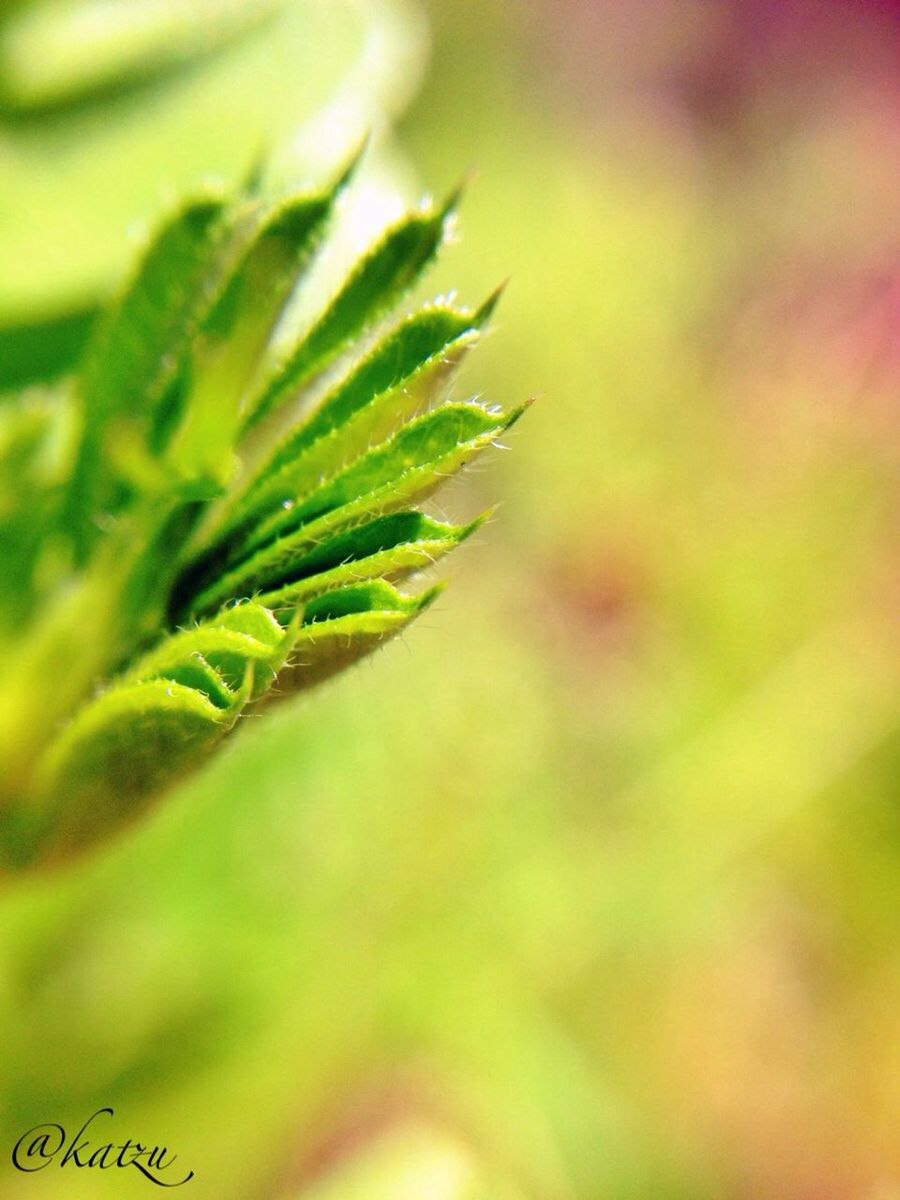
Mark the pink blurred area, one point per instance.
(748, 511)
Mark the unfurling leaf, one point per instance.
(185, 572)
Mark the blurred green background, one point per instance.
(588, 888)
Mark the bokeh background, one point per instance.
(589, 888)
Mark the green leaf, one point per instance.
(142, 343)
(194, 671)
(123, 748)
(227, 651)
(398, 378)
(406, 468)
(137, 354)
(389, 547)
(156, 721)
(178, 701)
(37, 443)
(423, 338)
(377, 283)
(36, 351)
(238, 638)
(341, 627)
(233, 336)
(176, 584)
(163, 382)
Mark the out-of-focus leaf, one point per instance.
(99, 119)
(37, 443)
(141, 345)
(169, 366)
(138, 352)
(56, 54)
(36, 351)
(236, 331)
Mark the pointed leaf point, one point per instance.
(473, 526)
(252, 182)
(351, 166)
(516, 413)
(427, 598)
(454, 199)
(484, 313)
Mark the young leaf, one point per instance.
(423, 337)
(390, 547)
(341, 627)
(37, 441)
(127, 745)
(406, 468)
(235, 333)
(174, 598)
(138, 352)
(159, 718)
(398, 378)
(142, 342)
(227, 651)
(403, 468)
(378, 282)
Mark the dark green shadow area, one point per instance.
(36, 351)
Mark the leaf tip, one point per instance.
(516, 413)
(252, 181)
(484, 313)
(466, 531)
(428, 597)
(454, 199)
(351, 166)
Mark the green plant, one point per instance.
(208, 513)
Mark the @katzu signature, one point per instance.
(48, 1145)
